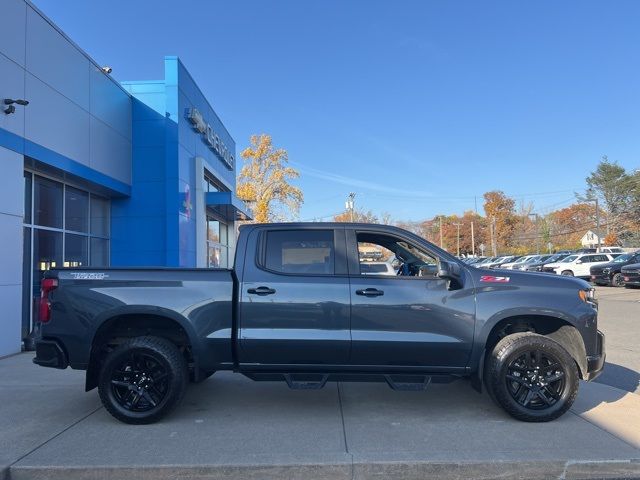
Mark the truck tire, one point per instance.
(567, 273)
(143, 379)
(532, 377)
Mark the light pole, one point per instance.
(537, 233)
(440, 231)
(473, 241)
(349, 204)
(458, 225)
(597, 221)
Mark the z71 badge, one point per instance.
(492, 279)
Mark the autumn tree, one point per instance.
(500, 211)
(618, 193)
(359, 216)
(567, 225)
(264, 181)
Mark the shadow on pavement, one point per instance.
(620, 377)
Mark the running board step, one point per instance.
(305, 382)
(410, 383)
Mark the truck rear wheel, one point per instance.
(143, 379)
(532, 377)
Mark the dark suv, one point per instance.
(611, 273)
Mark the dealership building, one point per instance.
(99, 173)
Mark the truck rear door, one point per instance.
(294, 305)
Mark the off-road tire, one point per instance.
(508, 350)
(168, 357)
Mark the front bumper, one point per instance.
(595, 363)
(49, 353)
(631, 278)
(600, 279)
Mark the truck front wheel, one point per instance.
(143, 379)
(532, 377)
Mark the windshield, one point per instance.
(533, 259)
(623, 258)
(569, 259)
(522, 259)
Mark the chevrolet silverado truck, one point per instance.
(301, 306)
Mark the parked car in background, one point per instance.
(530, 260)
(540, 263)
(631, 275)
(510, 265)
(611, 273)
(611, 250)
(579, 265)
(504, 260)
(494, 261)
(377, 268)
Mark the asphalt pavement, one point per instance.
(230, 427)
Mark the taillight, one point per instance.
(46, 286)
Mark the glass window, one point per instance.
(27, 197)
(99, 216)
(303, 251)
(406, 259)
(99, 252)
(213, 230)
(76, 250)
(76, 205)
(47, 202)
(47, 254)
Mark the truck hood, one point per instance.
(485, 276)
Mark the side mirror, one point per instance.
(450, 271)
(578, 261)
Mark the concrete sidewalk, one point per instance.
(230, 427)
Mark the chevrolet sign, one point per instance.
(210, 137)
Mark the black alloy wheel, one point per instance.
(532, 377)
(140, 382)
(617, 280)
(536, 380)
(143, 379)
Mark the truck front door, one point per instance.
(409, 316)
(294, 298)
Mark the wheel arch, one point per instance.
(559, 329)
(133, 322)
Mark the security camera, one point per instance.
(24, 103)
(107, 69)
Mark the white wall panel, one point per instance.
(11, 86)
(11, 183)
(57, 62)
(110, 152)
(55, 122)
(13, 15)
(110, 103)
(10, 299)
(11, 252)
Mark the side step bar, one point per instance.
(315, 381)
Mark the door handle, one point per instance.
(370, 292)
(262, 291)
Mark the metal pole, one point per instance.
(598, 225)
(458, 225)
(473, 241)
(440, 231)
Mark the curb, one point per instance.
(564, 470)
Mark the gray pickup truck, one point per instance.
(300, 305)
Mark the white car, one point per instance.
(611, 250)
(578, 265)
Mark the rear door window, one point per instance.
(300, 252)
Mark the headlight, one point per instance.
(588, 295)
(606, 271)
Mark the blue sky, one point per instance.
(417, 106)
